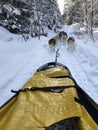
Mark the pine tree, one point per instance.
(67, 9)
(80, 11)
(30, 16)
(52, 15)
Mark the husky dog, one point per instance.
(52, 44)
(71, 43)
(57, 38)
(63, 37)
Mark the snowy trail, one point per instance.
(15, 76)
(11, 71)
(10, 75)
(19, 61)
(82, 69)
(89, 65)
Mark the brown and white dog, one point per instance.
(52, 44)
(63, 37)
(57, 38)
(71, 43)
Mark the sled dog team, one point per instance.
(64, 39)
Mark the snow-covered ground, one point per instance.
(19, 60)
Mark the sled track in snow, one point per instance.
(82, 77)
(72, 60)
(9, 82)
(78, 71)
(14, 72)
(89, 66)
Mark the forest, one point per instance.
(32, 17)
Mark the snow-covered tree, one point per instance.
(67, 8)
(30, 16)
(53, 15)
(81, 11)
(15, 15)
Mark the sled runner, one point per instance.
(50, 100)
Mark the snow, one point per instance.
(20, 59)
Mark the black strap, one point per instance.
(57, 89)
(65, 76)
(78, 100)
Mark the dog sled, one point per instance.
(50, 100)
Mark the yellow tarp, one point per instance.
(34, 110)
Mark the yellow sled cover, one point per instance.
(46, 103)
